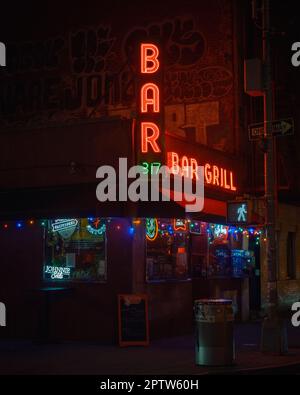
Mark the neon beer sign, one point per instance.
(180, 224)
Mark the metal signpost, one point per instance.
(273, 333)
(273, 337)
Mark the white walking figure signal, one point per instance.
(2, 314)
(242, 211)
(2, 55)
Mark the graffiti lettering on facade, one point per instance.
(209, 83)
(183, 43)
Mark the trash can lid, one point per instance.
(214, 301)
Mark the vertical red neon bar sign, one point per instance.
(149, 99)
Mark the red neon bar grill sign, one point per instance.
(150, 104)
(151, 127)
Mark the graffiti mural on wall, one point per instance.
(91, 72)
(200, 84)
(182, 43)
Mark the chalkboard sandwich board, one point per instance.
(133, 320)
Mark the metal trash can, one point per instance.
(214, 332)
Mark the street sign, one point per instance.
(280, 128)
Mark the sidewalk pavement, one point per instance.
(162, 357)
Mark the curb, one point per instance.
(255, 370)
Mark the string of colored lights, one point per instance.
(165, 228)
(22, 224)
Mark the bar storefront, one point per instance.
(158, 92)
(172, 261)
(63, 249)
(176, 249)
(69, 256)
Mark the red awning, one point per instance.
(211, 206)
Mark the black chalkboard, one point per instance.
(133, 320)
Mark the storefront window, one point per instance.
(219, 260)
(179, 249)
(167, 244)
(219, 251)
(75, 250)
(229, 252)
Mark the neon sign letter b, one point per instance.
(149, 59)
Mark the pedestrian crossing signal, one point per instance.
(238, 212)
(2, 55)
